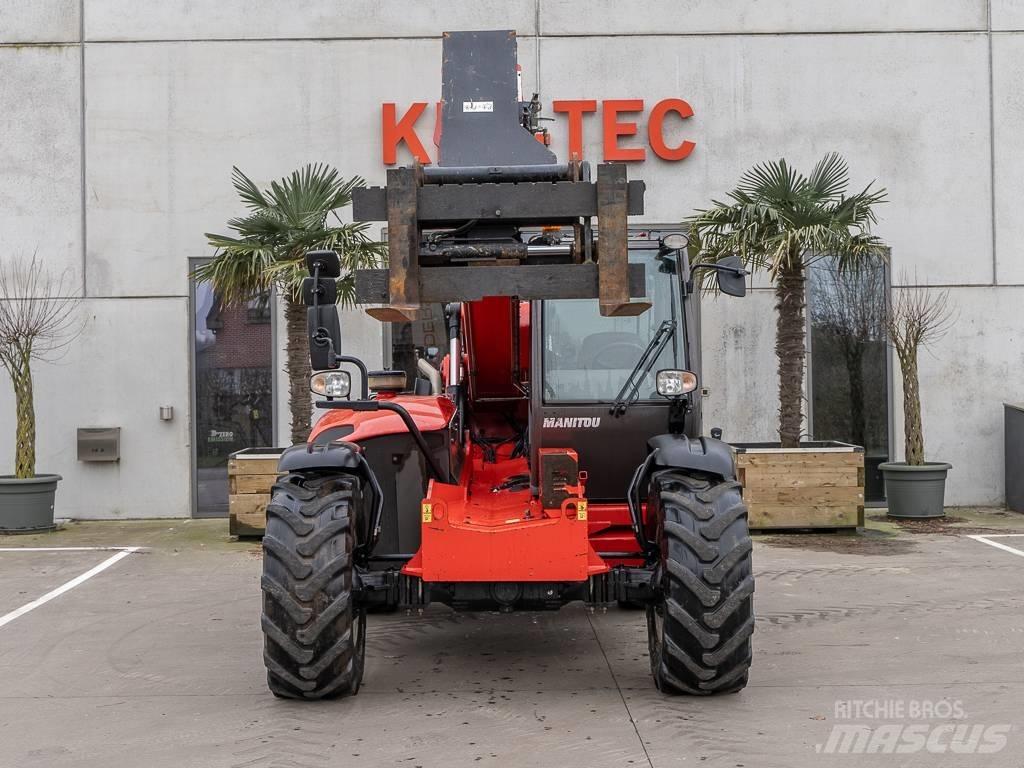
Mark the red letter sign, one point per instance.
(656, 129)
(393, 132)
(574, 110)
(613, 129)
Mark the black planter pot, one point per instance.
(26, 506)
(915, 491)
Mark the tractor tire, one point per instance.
(699, 630)
(314, 634)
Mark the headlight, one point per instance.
(674, 241)
(672, 383)
(331, 383)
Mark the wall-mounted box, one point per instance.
(99, 443)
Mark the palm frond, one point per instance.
(829, 178)
(247, 190)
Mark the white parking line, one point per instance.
(69, 549)
(122, 553)
(985, 540)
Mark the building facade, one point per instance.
(120, 123)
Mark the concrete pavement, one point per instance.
(156, 662)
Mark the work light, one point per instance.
(331, 383)
(672, 383)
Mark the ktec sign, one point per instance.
(619, 127)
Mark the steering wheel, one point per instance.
(628, 350)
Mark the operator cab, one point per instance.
(597, 392)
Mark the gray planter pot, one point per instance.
(26, 506)
(915, 491)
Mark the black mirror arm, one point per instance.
(364, 389)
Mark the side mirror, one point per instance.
(324, 336)
(328, 261)
(731, 276)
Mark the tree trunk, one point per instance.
(25, 417)
(913, 433)
(297, 366)
(791, 350)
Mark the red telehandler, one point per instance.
(549, 451)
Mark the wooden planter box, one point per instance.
(819, 485)
(251, 473)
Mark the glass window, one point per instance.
(849, 375)
(587, 357)
(426, 337)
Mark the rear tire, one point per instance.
(699, 630)
(314, 635)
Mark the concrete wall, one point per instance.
(120, 121)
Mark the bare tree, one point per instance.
(37, 322)
(915, 317)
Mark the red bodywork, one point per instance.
(473, 530)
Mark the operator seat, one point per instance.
(610, 350)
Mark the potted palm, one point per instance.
(915, 317)
(266, 249)
(37, 323)
(782, 221)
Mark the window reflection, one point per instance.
(849, 368)
(233, 389)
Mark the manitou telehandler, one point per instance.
(548, 450)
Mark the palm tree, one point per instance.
(781, 220)
(296, 214)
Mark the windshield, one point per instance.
(587, 358)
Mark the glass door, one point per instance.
(232, 389)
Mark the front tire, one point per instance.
(699, 630)
(314, 634)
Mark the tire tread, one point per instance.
(708, 586)
(309, 616)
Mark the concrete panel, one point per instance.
(166, 122)
(608, 17)
(280, 19)
(124, 366)
(40, 156)
(738, 346)
(876, 99)
(1008, 115)
(965, 379)
(1007, 14)
(39, 21)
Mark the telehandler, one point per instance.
(549, 451)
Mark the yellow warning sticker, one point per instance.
(581, 510)
(428, 511)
